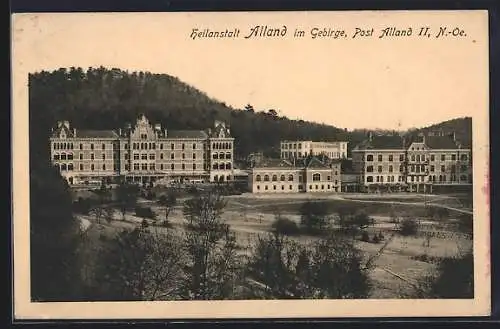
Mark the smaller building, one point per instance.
(303, 149)
(310, 174)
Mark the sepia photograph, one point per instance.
(265, 164)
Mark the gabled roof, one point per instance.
(62, 128)
(382, 142)
(186, 134)
(274, 163)
(313, 163)
(440, 142)
(96, 134)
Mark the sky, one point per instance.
(386, 83)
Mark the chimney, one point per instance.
(370, 136)
(128, 125)
(74, 132)
(454, 136)
(120, 132)
(423, 139)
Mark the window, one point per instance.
(152, 156)
(380, 157)
(401, 168)
(183, 155)
(172, 146)
(81, 146)
(274, 187)
(432, 168)
(216, 156)
(316, 186)
(275, 178)
(221, 166)
(228, 166)
(290, 187)
(228, 155)
(172, 166)
(418, 157)
(379, 169)
(136, 166)
(91, 146)
(369, 169)
(81, 166)
(369, 179)
(136, 156)
(144, 166)
(104, 156)
(401, 157)
(215, 166)
(316, 177)
(266, 178)
(258, 187)
(282, 187)
(221, 156)
(290, 178)
(463, 157)
(390, 169)
(183, 146)
(369, 157)
(443, 169)
(103, 146)
(194, 156)
(194, 146)
(282, 178)
(92, 156)
(152, 166)
(454, 157)
(433, 158)
(413, 157)
(328, 178)
(161, 156)
(443, 157)
(56, 157)
(103, 167)
(172, 156)
(92, 167)
(322, 187)
(258, 178)
(144, 156)
(391, 158)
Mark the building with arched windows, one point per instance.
(143, 153)
(419, 164)
(309, 174)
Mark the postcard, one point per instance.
(244, 165)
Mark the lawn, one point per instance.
(394, 271)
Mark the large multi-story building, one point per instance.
(309, 174)
(302, 149)
(420, 164)
(142, 153)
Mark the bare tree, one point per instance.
(211, 249)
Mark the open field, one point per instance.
(393, 271)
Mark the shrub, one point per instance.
(145, 212)
(285, 226)
(408, 227)
(365, 237)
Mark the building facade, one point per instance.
(143, 153)
(306, 175)
(395, 163)
(302, 149)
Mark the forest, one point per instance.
(100, 98)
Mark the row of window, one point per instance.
(152, 166)
(152, 156)
(316, 178)
(222, 156)
(70, 167)
(222, 146)
(418, 168)
(417, 157)
(290, 187)
(432, 178)
(153, 146)
(63, 146)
